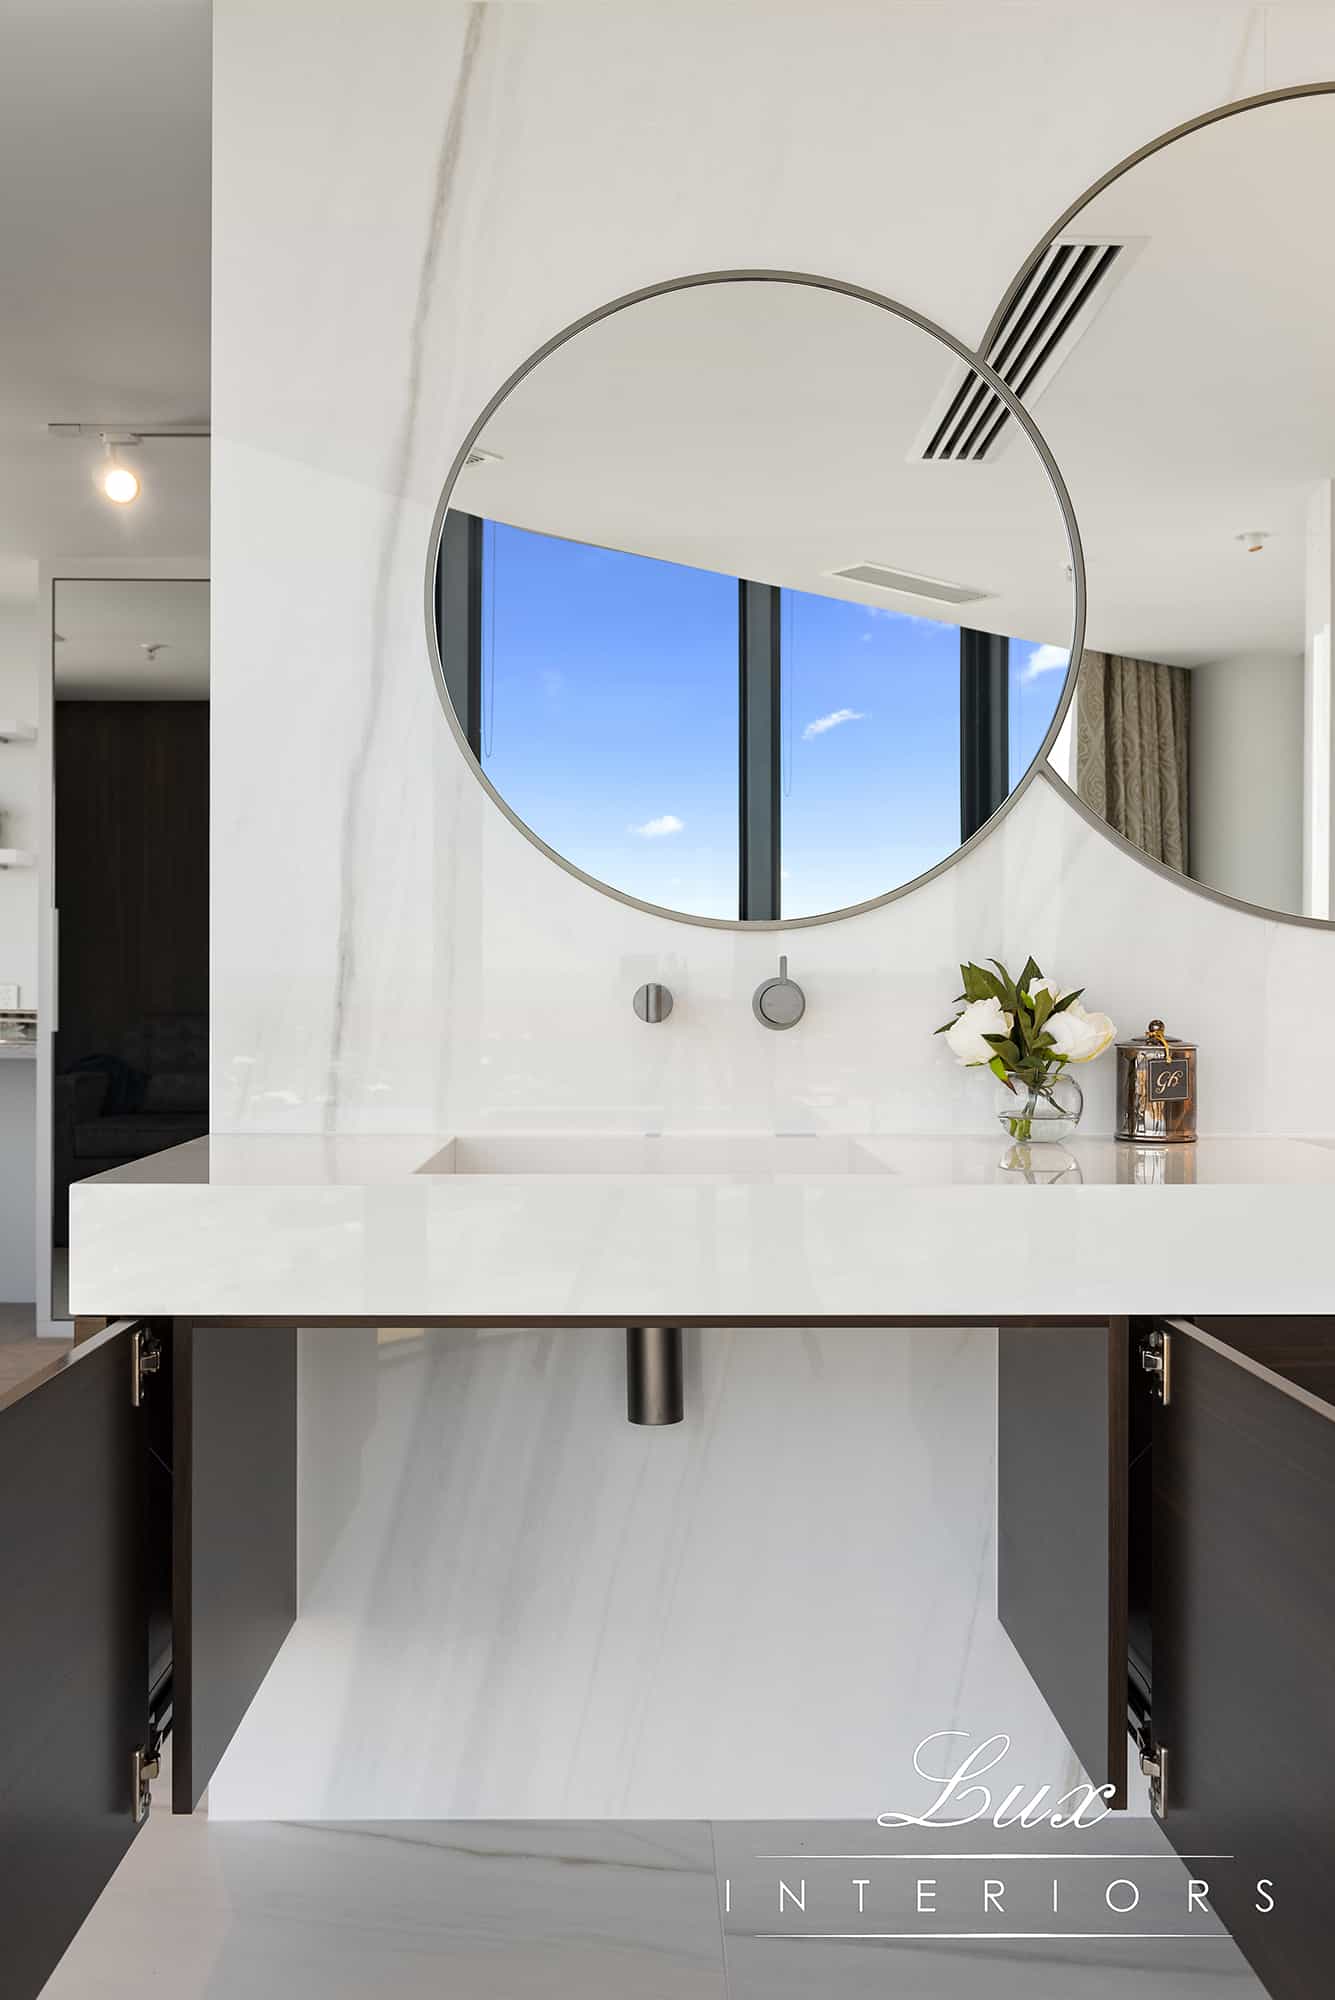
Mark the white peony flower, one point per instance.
(1047, 986)
(980, 1017)
(1077, 1035)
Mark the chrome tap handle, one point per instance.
(779, 1003)
(653, 1002)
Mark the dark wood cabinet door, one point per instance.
(1244, 1631)
(234, 1581)
(74, 1667)
(1062, 1528)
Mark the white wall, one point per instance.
(408, 200)
(19, 769)
(19, 772)
(388, 952)
(1246, 785)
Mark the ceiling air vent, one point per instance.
(1043, 324)
(882, 578)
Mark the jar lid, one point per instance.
(1156, 1040)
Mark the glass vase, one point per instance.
(1040, 1111)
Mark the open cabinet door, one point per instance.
(234, 1574)
(1062, 1413)
(74, 1667)
(1244, 1631)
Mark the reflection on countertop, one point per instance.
(919, 1160)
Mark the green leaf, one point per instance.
(1006, 985)
(1042, 1009)
(1066, 1000)
(998, 1069)
(1030, 973)
(979, 983)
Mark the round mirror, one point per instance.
(752, 599)
(1178, 357)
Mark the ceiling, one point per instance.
(1200, 404)
(104, 244)
(764, 430)
(770, 430)
(105, 627)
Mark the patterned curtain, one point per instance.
(1131, 725)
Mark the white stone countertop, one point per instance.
(587, 1227)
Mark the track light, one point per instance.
(118, 482)
(115, 481)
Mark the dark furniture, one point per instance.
(132, 889)
(1223, 1550)
(152, 1093)
(1193, 1557)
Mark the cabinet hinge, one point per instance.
(1156, 1358)
(145, 1359)
(1154, 1765)
(143, 1769)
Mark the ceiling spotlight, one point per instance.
(1254, 541)
(120, 484)
(116, 481)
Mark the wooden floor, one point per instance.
(21, 1354)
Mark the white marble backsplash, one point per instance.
(513, 1603)
(401, 216)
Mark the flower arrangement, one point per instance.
(1026, 1031)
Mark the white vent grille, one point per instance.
(1046, 319)
(904, 581)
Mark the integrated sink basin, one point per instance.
(704, 1156)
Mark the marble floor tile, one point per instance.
(403, 1911)
(893, 1948)
(633, 1911)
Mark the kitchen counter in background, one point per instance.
(705, 1228)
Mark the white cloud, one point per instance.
(1044, 660)
(831, 721)
(654, 829)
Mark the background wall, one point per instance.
(408, 200)
(18, 948)
(406, 203)
(18, 799)
(1246, 788)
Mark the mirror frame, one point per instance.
(963, 353)
(1021, 278)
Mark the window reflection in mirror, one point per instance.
(1190, 403)
(609, 713)
(724, 630)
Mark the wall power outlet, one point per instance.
(9, 998)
